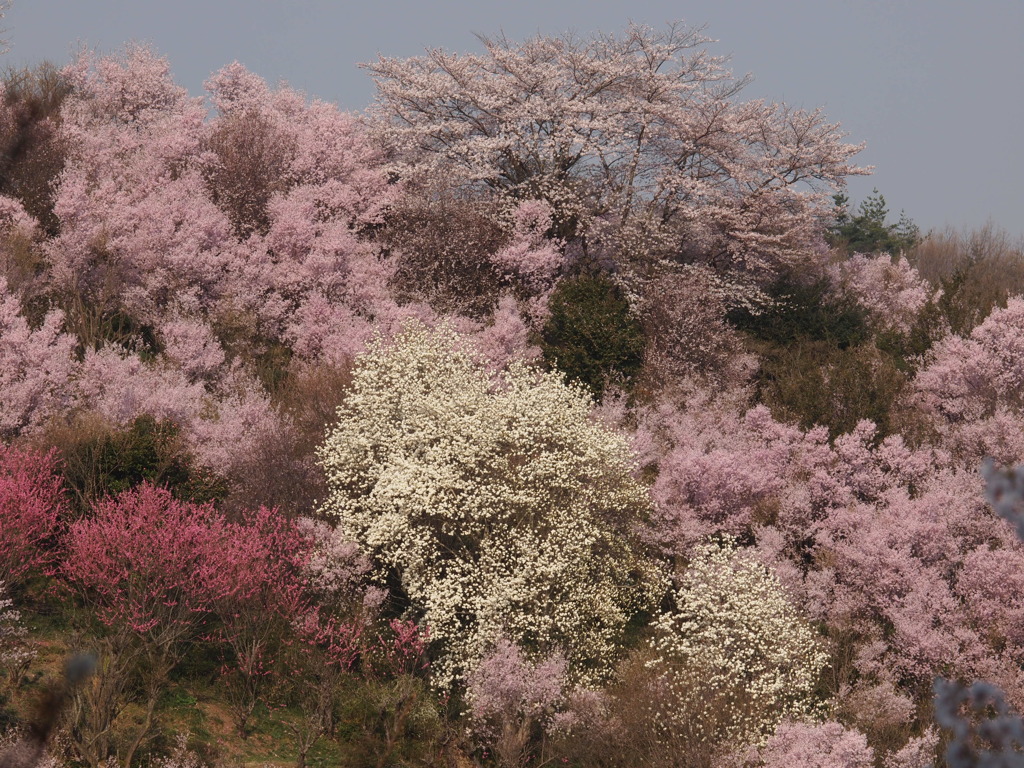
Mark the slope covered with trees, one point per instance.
(556, 409)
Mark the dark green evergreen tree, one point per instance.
(868, 232)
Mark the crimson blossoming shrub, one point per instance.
(262, 564)
(496, 502)
(147, 569)
(153, 573)
(31, 505)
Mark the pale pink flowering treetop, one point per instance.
(892, 291)
(37, 366)
(817, 745)
(642, 126)
(973, 388)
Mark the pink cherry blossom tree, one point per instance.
(972, 388)
(891, 290)
(890, 547)
(137, 229)
(36, 368)
(512, 700)
(304, 186)
(825, 745)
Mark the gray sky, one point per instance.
(935, 87)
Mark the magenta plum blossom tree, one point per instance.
(640, 131)
(148, 569)
(155, 572)
(261, 566)
(31, 505)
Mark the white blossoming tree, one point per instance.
(504, 509)
(735, 659)
(640, 131)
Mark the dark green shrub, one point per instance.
(99, 460)
(811, 382)
(805, 310)
(591, 335)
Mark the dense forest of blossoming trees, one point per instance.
(557, 410)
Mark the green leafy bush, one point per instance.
(99, 460)
(804, 310)
(591, 335)
(813, 383)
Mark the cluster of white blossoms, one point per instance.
(14, 652)
(735, 659)
(504, 508)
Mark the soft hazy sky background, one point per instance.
(935, 87)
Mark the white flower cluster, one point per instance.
(735, 659)
(14, 651)
(504, 508)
